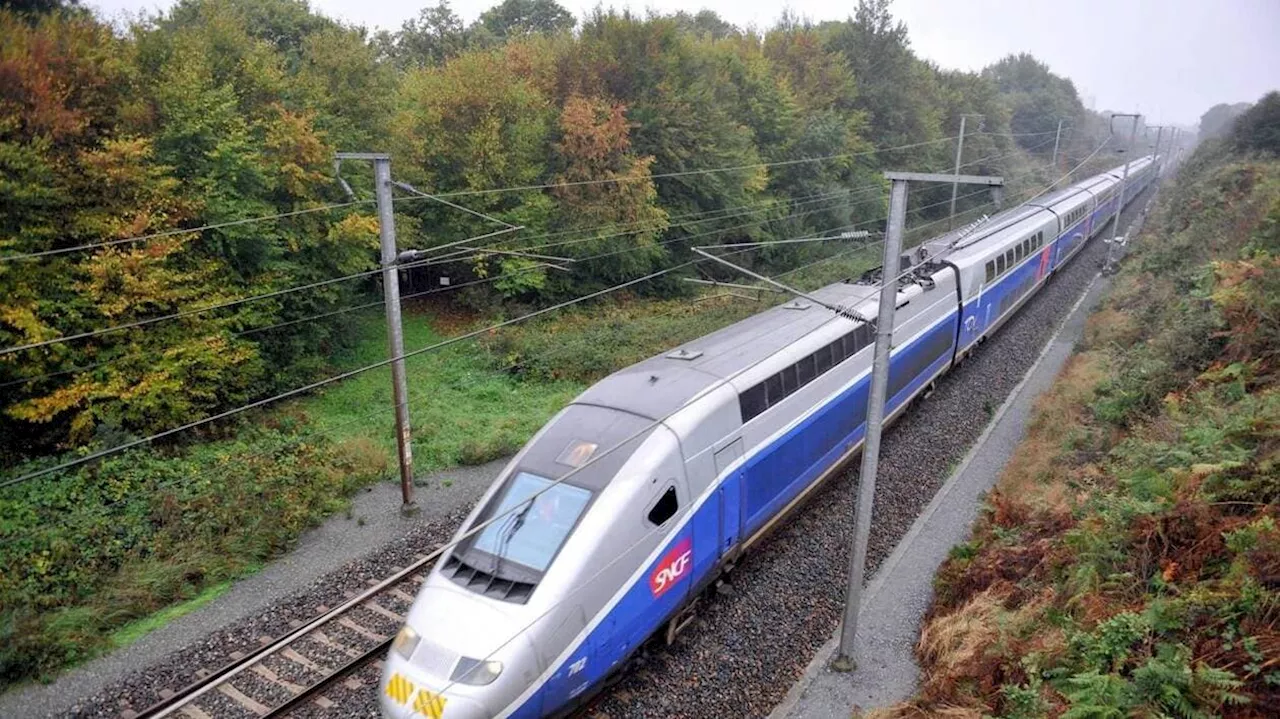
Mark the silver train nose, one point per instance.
(402, 697)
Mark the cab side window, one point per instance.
(665, 508)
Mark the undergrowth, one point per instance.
(1128, 562)
(105, 546)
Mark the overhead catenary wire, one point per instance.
(239, 301)
(93, 456)
(441, 196)
(323, 283)
(183, 231)
(176, 315)
(417, 397)
(100, 454)
(377, 303)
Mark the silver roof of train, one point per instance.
(660, 385)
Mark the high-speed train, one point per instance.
(674, 466)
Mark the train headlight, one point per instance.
(476, 672)
(406, 641)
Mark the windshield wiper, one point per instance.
(509, 532)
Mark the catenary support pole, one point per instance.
(1159, 136)
(395, 327)
(1109, 265)
(845, 660)
(1056, 140)
(956, 185)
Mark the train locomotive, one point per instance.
(674, 466)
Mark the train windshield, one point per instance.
(530, 531)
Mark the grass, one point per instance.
(462, 409)
(133, 631)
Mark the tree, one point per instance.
(1258, 128)
(1038, 98)
(705, 23)
(522, 17)
(38, 7)
(606, 190)
(1217, 120)
(436, 35)
(896, 90)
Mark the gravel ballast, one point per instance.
(749, 644)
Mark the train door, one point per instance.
(729, 496)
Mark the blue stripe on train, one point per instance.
(748, 498)
(759, 489)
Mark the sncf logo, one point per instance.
(672, 568)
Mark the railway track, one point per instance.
(295, 670)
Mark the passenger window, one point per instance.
(866, 335)
(773, 389)
(753, 402)
(991, 271)
(1026, 247)
(822, 358)
(1000, 265)
(851, 344)
(1008, 259)
(837, 352)
(788, 380)
(665, 508)
(804, 370)
(1017, 252)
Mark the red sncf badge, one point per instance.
(672, 567)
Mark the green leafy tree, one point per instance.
(1217, 121)
(513, 18)
(436, 35)
(1258, 128)
(1037, 97)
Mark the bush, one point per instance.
(85, 552)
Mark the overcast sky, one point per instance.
(1168, 59)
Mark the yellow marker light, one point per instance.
(399, 688)
(429, 704)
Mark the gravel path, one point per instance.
(747, 646)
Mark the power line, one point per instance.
(344, 375)
(323, 283)
(232, 303)
(335, 378)
(183, 231)
(184, 313)
(440, 197)
(218, 306)
(418, 397)
(333, 313)
(682, 173)
(427, 262)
